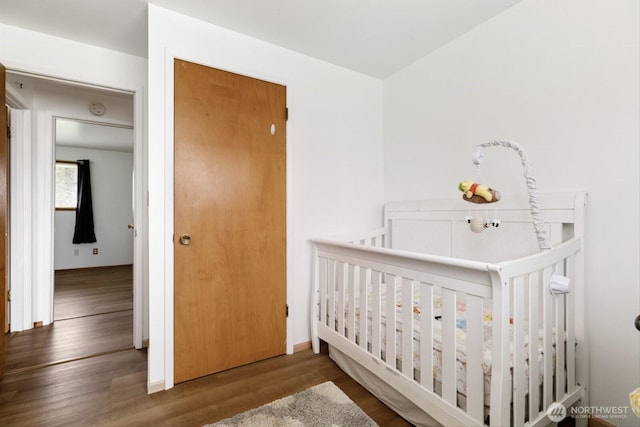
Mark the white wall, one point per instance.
(334, 149)
(29, 51)
(562, 79)
(111, 185)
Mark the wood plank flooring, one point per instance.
(111, 389)
(93, 312)
(70, 339)
(92, 291)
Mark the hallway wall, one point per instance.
(111, 185)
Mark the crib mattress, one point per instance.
(461, 337)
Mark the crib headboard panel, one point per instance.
(439, 226)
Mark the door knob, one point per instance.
(185, 239)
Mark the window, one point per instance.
(66, 185)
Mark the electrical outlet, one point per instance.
(76, 252)
(95, 251)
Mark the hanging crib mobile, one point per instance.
(479, 194)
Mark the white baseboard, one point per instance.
(155, 387)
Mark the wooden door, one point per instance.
(230, 220)
(4, 228)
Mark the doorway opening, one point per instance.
(56, 109)
(93, 282)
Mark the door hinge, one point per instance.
(287, 310)
(9, 295)
(286, 114)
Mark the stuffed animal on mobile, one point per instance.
(478, 193)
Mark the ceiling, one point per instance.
(30, 91)
(100, 136)
(374, 37)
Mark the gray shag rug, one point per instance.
(322, 405)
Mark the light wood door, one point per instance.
(230, 220)
(4, 228)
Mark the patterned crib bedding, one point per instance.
(461, 338)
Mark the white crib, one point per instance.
(476, 305)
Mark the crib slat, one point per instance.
(534, 368)
(340, 310)
(331, 289)
(407, 328)
(351, 302)
(426, 336)
(560, 336)
(571, 333)
(390, 312)
(449, 346)
(519, 379)
(547, 313)
(375, 313)
(322, 285)
(363, 318)
(500, 357)
(475, 374)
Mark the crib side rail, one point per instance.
(350, 278)
(541, 347)
(353, 280)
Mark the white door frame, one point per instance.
(39, 283)
(164, 197)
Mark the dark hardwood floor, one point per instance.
(82, 371)
(93, 312)
(93, 291)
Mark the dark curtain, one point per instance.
(83, 232)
